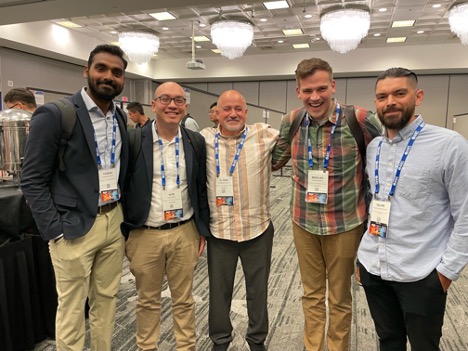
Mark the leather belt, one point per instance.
(167, 226)
(107, 207)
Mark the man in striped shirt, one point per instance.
(238, 178)
(328, 202)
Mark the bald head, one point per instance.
(232, 113)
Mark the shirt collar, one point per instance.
(406, 132)
(91, 105)
(156, 136)
(237, 136)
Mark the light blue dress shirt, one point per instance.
(428, 225)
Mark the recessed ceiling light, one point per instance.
(377, 35)
(280, 41)
(308, 15)
(273, 5)
(407, 23)
(201, 38)
(263, 20)
(198, 46)
(292, 31)
(202, 25)
(114, 32)
(383, 9)
(68, 24)
(396, 40)
(165, 28)
(116, 43)
(216, 51)
(162, 16)
(436, 6)
(420, 32)
(301, 46)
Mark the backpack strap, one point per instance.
(355, 129)
(296, 123)
(68, 117)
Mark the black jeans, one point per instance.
(400, 310)
(255, 256)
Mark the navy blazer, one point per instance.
(137, 196)
(65, 202)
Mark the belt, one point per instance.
(107, 207)
(166, 226)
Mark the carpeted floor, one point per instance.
(285, 312)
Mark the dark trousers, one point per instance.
(255, 256)
(400, 310)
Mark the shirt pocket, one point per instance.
(413, 183)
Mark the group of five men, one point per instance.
(182, 189)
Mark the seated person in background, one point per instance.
(213, 115)
(189, 123)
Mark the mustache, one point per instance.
(392, 109)
(107, 82)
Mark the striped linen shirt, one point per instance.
(346, 207)
(250, 215)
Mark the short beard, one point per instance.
(103, 96)
(397, 124)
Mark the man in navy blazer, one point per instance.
(167, 217)
(77, 208)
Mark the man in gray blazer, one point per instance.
(76, 207)
(167, 217)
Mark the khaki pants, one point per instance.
(90, 266)
(325, 258)
(153, 254)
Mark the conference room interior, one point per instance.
(39, 54)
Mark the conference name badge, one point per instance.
(172, 204)
(224, 191)
(108, 184)
(317, 186)
(379, 218)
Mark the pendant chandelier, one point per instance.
(232, 37)
(458, 21)
(139, 46)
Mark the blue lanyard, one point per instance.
(114, 138)
(236, 157)
(332, 133)
(163, 171)
(400, 165)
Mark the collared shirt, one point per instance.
(250, 215)
(428, 225)
(155, 216)
(103, 126)
(346, 207)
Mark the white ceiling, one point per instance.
(99, 18)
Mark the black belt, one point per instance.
(107, 207)
(166, 226)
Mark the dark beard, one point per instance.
(397, 124)
(104, 95)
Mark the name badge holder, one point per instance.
(172, 199)
(317, 180)
(380, 209)
(224, 184)
(108, 188)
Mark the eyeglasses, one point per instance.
(18, 103)
(166, 100)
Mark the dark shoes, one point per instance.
(222, 347)
(257, 347)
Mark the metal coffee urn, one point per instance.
(14, 130)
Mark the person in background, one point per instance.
(241, 226)
(137, 114)
(213, 115)
(328, 202)
(190, 123)
(417, 241)
(20, 98)
(77, 209)
(166, 219)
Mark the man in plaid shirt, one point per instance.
(328, 201)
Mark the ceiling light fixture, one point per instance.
(344, 29)
(232, 36)
(458, 23)
(138, 45)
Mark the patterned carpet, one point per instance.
(285, 312)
